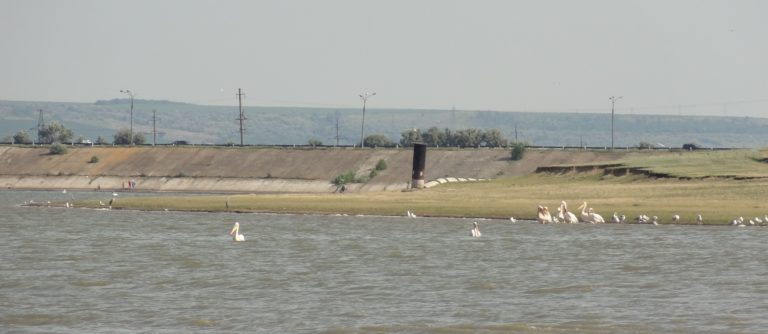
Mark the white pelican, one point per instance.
(565, 215)
(584, 215)
(615, 218)
(655, 220)
(114, 194)
(475, 231)
(758, 220)
(512, 219)
(699, 220)
(596, 218)
(675, 218)
(235, 233)
(543, 215)
(410, 214)
(64, 191)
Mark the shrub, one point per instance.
(381, 165)
(518, 150)
(348, 177)
(94, 159)
(373, 173)
(58, 148)
(314, 142)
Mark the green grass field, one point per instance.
(716, 191)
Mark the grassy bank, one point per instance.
(718, 200)
(700, 189)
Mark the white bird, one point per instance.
(675, 218)
(699, 220)
(758, 220)
(235, 233)
(751, 222)
(512, 219)
(622, 219)
(64, 191)
(594, 217)
(543, 215)
(475, 231)
(101, 203)
(655, 220)
(410, 214)
(565, 215)
(114, 194)
(615, 218)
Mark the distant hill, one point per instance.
(297, 125)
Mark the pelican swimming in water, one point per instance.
(235, 233)
(475, 231)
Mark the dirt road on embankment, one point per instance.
(251, 170)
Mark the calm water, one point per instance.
(78, 271)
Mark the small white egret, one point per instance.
(699, 220)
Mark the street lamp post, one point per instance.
(127, 91)
(364, 97)
(613, 104)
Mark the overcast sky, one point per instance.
(663, 56)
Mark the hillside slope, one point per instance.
(259, 169)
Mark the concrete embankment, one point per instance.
(205, 169)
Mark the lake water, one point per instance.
(90, 271)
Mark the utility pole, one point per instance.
(613, 104)
(516, 141)
(364, 97)
(337, 129)
(242, 115)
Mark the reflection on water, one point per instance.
(79, 270)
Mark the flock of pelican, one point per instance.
(588, 215)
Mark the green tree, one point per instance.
(56, 132)
(377, 140)
(22, 137)
(494, 138)
(101, 141)
(314, 142)
(123, 137)
(433, 137)
(408, 137)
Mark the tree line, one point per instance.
(55, 132)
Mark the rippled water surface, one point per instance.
(79, 270)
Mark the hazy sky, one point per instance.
(663, 56)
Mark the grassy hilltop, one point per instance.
(720, 185)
